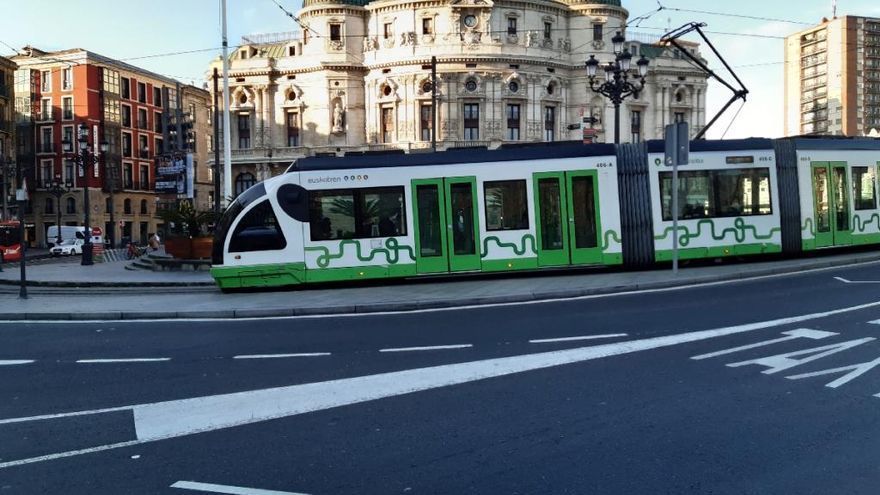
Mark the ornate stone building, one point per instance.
(358, 78)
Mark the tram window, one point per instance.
(382, 212)
(357, 213)
(506, 205)
(718, 193)
(741, 192)
(331, 215)
(694, 191)
(864, 195)
(258, 230)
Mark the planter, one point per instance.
(202, 247)
(179, 247)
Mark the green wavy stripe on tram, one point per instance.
(606, 242)
(519, 250)
(860, 226)
(809, 226)
(391, 251)
(738, 230)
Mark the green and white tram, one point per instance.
(549, 205)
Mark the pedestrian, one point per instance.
(154, 242)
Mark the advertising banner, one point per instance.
(174, 175)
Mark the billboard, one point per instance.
(174, 175)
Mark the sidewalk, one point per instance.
(193, 295)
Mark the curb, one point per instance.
(403, 306)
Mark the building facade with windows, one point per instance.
(7, 137)
(832, 78)
(357, 78)
(120, 103)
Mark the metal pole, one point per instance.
(227, 137)
(57, 195)
(617, 123)
(87, 245)
(5, 164)
(675, 218)
(112, 178)
(434, 103)
(217, 194)
(22, 291)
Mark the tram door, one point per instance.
(831, 204)
(568, 224)
(447, 232)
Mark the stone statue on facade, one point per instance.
(337, 118)
(531, 38)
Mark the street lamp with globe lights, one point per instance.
(84, 160)
(57, 188)
(617, 85)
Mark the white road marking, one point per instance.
(175, 418)
(874, 322)
(855, 371)
(231, 490)
(457, 308)
(846, 281)
(129, 360)
(64, 415)
(791, 335)
(573, 339)
(278, 356)
(13, 362)
(427, 348)
(782, 362)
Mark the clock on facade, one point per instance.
(470, 20)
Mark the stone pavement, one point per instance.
(108, 291)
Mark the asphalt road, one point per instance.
(353, 405)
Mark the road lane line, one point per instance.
(13, 362)
(129, 360)
(790, 335)
(230, 490)
(874, 322)
(176, 418)
(278, 356)
(64, 415)
(460, 307)
(573, 339)
(428, 348)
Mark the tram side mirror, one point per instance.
(293, 200)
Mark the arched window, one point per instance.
(50, 206)
(243, 182)
(144, 209)
(126, 207)
(71, 205)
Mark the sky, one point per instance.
(178, 38)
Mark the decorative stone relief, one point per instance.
(370, 43)
(493, 129)
(512, 39)
(408, 38)
(427, 39)
(598, 44)
(547, 43)
(388, 42)
(531, 39)
(335, 45)
(565, 44)
(534, 128)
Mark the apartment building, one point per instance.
(832, 78)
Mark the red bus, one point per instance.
(10, 240)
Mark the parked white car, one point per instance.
(68, 248)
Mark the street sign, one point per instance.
(678, 146)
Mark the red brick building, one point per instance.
(120, 103)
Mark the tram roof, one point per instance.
(841, 143)
(659, 146)
(506, 153)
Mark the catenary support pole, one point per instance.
(227, 137)
(217, 169)
(434, 101)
